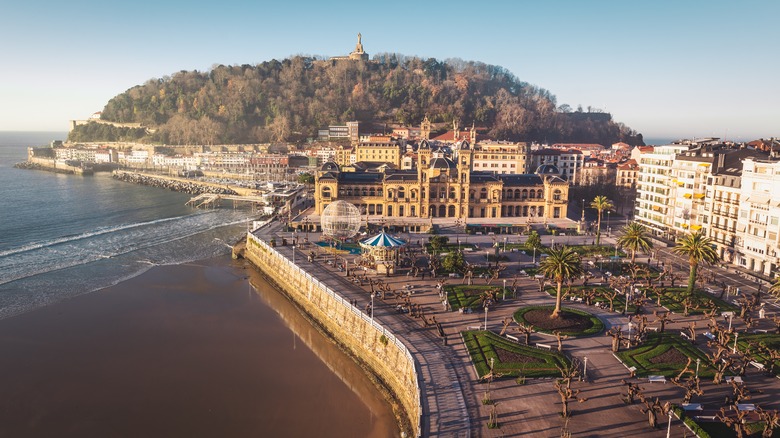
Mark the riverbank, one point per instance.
(187, 349)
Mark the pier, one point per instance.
(212, 200)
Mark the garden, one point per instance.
(472, 297)
(664, 354)
(511, 359)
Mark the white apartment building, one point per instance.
(568, 161)
(689, 174)
(758, 225)
(653, 203)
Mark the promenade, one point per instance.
(451, 395)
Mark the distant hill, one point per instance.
(290, 100)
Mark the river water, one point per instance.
(64, 236)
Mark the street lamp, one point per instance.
(504, 296)
(486, 312)
(698, 361)
(608, 223)
(293, 248)
(372, 307)
(736, 336)
(585, 368)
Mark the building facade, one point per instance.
(445, 187)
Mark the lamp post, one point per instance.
(736, 336)
(486, 312)
(504, 296)
(607, 223)
(625, 311)
(669, 426)
(534, 260)
(505, 244)
(698, 361)
(293, 248)
(372, 307)
(585, 368)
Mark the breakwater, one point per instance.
(175, 184)
(374, 346)
(52, 165)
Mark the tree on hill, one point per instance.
(288, 100)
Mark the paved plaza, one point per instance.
(452, 394)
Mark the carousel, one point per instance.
(381, 252)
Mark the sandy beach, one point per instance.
(185, 350)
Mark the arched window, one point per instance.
(401, 193)
(326, 192)
(508, 194)
(451, 212)
(517, 193)
(533, 194)
(413, 193)
(349, 191)
(379, 192)
(452, 192)
(390, 194)
(442, 211)
(539, 194)
(525, 193)
(483, 194)
(371, 192)
(540, 211)
(557, 195)
(422, 193)
(471, 194)
(496, 195)
(364, 192)
(432, 211)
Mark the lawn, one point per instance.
(619, 303)
(664, 354)
(770, 340)
(468, 297)
(674, 297)
(511, 358)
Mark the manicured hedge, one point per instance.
(657, 344)
(482, 346)
(771, 340)
(619, 303)
(596, 325)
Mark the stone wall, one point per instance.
(376, 347)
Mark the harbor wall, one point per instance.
(53, 165)
(375, 347)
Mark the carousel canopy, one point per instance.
(383, 240)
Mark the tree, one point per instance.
(600, 204)
(534, 241)
(306, 178)
(697, 248)
(635, 237)
(454, 262)
(438, 242)
(774, 290)
(560, 265)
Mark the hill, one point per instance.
(289, 100)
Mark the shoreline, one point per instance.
(121, 344)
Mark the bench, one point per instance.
(758, 365)
(685, 336)
(514, 338)
(705, 417)
(652, 329)
(730, 379)
(760, 331)
(746, 407)
(474, 327)
(656, 379)
(632, 370)
(692, 407)
(709, 336)
(545, 346)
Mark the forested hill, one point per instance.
(290, 100)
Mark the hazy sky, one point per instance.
(666, 68)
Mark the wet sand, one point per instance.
(189, 350)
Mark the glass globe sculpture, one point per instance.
(340, 220)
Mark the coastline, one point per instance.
(179, 349)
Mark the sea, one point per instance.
(64, 235)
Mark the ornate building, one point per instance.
(446, 187)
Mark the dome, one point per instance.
(548, 169)
(330, 166)
(340, 220)
(442, 163)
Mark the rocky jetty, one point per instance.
(191, 187)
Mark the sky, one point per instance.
(668, 69)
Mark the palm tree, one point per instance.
(698, 248)
(601, 204)
(774, 289)
(635, 237)
(560, 265)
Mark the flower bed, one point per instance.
(510, 358)
(571, 322)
